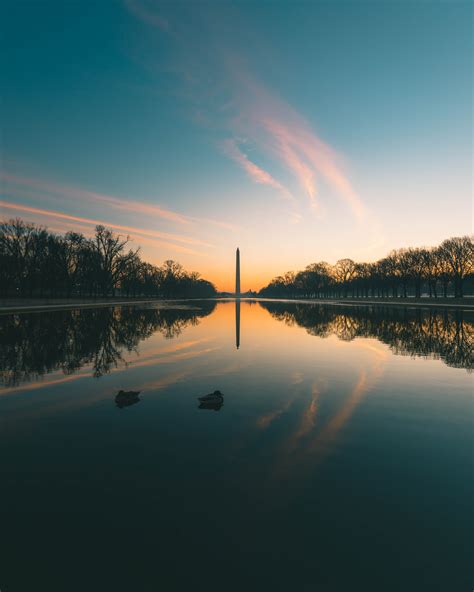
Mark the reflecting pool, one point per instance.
(334, 451)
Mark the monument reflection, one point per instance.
(237, 323)
(35, 344)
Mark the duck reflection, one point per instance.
(126, 398)
(212, 401)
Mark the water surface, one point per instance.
(339, 458)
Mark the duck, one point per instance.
(213, 401)
(215, 397)
(126, 398)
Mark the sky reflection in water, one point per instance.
(329, 446)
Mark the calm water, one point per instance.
(339, 459)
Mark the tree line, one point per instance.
(444, 270)
(37, 263)
(440, 334)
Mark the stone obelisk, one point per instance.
(237, 273)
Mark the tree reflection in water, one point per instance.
(34, 344)
(445, 334)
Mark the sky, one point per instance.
(297, 131)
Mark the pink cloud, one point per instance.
(280, 130)
(140, 10)
(72, 193)
(256, 173)
(308, 157)
(140, 234)
(39, 188)
(220, 75)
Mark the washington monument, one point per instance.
(237, 273)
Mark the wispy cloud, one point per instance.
(140, 9)
(259, 175)
(286, 135)
(137, 234)
(72, 193)
(39, 189)
(238, 101)
(308, 156)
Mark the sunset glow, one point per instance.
(238, 134)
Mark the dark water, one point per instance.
(339, 457)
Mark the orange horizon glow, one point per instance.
(57, 221)
(208, 244)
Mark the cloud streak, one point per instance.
(39, 188)
(249, 109)
(307, 156)
(140, 10)
(280, 130)
(74, 193)
(140, 233)
(256, 173)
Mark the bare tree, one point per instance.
(429, 257)
(18, 240)
(442, 270)
(112, 261)
(458, 253)
(344, 271)
(36, 262)
(400, 273)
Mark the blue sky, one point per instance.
(298, 131)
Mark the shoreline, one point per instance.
(35, 305)
(466, 303)
(47, 306)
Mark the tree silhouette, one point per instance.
(35, 262)
(458, 253)
(401, 273)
